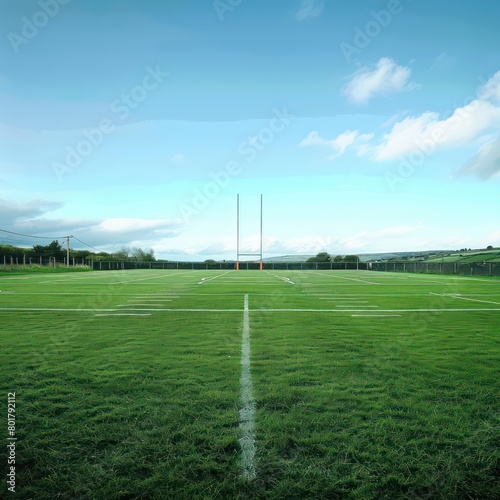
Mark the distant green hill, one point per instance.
(428, 256)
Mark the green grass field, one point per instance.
(363, 385)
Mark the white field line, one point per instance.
(336, 300)
(156, 276)
(204, 280)
(353, 305)
(451, 296)
(376, 315)
(150, 299)
(286, 280)
(145, 303)
(156, 297)
(354, 279)
(247, 411)
(52, 309)
(122, 314)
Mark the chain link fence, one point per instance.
(266, 266)
(462, 268)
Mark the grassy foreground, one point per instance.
(367, 385)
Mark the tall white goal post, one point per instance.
(238, 253)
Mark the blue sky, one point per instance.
(368, 126)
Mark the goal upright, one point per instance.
(238, 253)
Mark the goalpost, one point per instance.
(238, 253)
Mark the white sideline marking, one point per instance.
(454, 296)
(122, 314)
(247, 430)
(173, 310)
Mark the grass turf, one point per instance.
(367, 385)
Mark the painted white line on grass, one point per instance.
(149, 299)
(342, 298)
(354, 279)
(353, 305)
(247, 411)
(173, 310)
(123, 314)
(453, 296)
(376, 315)
(286, 280)
(204, 280)
(156, 276)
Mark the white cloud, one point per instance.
(340, 143)
(469, 125)
(428, 133)
(386, 78)
(30, 218)
(11, 211)
(309, 8)
(486, 163)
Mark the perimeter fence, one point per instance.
(461, 268)
(244, 266)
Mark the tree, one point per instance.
(53, 249)
(351, 258)
(489, 247)
(321, 257)
(139, 255)
(338, 258)
(122, 254)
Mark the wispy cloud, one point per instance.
(309, 8)
(178, 158)
(340, 143)
(11, 211)
(485, 163)
(33, 218)
(386, 77)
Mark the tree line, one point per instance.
(57, 251)
(326, 257)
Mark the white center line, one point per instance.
(246, 427)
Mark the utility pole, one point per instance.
(67, 250)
